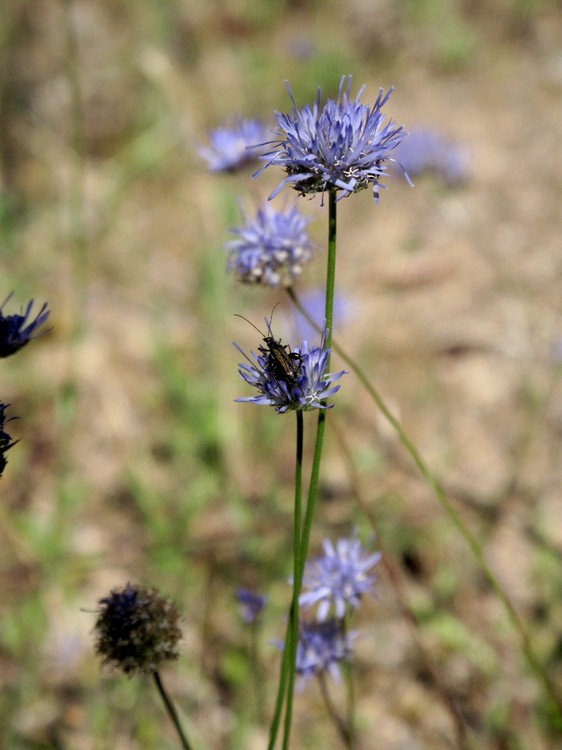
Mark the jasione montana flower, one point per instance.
(340, 577)
(343, 145)
(289, 379)
(271, 249)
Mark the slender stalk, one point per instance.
(446, 504)
(331, 265)
(297, 579)
(288, 662)
(172, 713)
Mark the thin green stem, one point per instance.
(288, 663)
(443, 499)
(172, 713)
(331, 266)
(298, 564)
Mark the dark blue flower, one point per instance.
(343, 145)
(289, 379)
(6, 441)
(232, 147)
(339, 578)
(426, 150)
(250, 604)
(322, 646)
(16, 330)
(271, 249)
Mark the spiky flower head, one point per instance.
(6, 441)
(231, 147)
(136, 629)
(339, 578)
(251, 604)
(17, 330)
(270, 249)
(343, 145)
(321, 648)
(289, 379)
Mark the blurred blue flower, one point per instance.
(322, 646)
(343, 145)
(271, 249)
(426, 150)
(17, 330)
(231, 147)
(338, 578)
(289, 380)
(6, 441)
(250, 604)
(313, 301)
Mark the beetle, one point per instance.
(281, 363)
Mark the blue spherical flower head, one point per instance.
(231, 147)
(339, 578)
(289, 379)
(17, 330)
(271, 249)
(321, 647)
(341, 146)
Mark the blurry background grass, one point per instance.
(134, 462)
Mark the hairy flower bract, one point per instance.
(270, 249)
(341, 146)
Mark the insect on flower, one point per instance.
(282, 364)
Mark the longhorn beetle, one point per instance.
(281, 363)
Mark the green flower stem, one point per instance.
(297, 579)
(172, 713)
(446, 504)
(331, 266)
(288, 663)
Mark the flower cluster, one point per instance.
(427, 150)
(341, 146)
(17, 330)
(289, 379)
(231, 147)
(339, 578)
(137, 629)
(271, 249)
